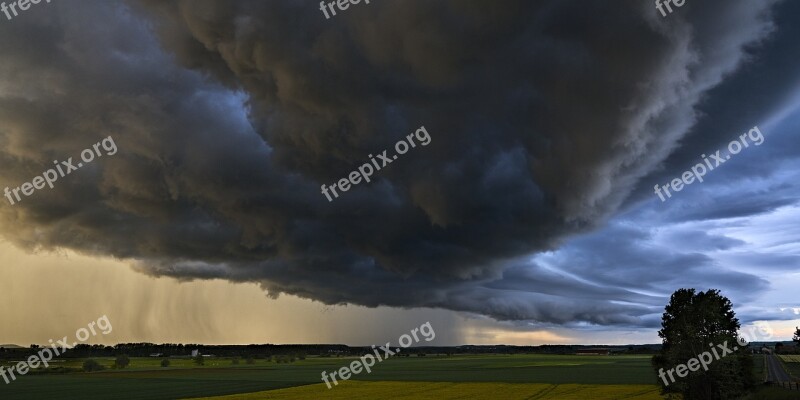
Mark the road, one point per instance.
(776, 373)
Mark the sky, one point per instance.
(528, 216)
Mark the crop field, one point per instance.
(441, 377)
(449, 390)
(790, 358)
(792, 363)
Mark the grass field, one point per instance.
(773, 393)
(759, 367)
(792, 363)
(145, 379)
(541, 377)
(448, 390)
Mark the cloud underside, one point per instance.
(230, 115)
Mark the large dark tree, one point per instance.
(796, 337)
(694, 323)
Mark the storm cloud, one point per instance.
(229, 115)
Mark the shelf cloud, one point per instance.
(549, 119)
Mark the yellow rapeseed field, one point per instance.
(360, 390)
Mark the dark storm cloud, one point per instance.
(765, 82)
(759, 180)
(543, 116)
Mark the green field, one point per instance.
(454, 391)
(144, 379)
(536, 376)
(792, 363)
(759, 367)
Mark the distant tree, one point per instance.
(165, 363)
(693, 323)
(284, 359)
(778, 347)
(199, 360)
(122, 361)
(34, 346)
(250, 360)
(796, 337)
(235, 360)
(91, 365)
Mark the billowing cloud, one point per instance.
(230, 115)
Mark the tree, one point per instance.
(165, 363)
(693, 324)
(796, 337)
(250, 360)
(235, 361)
(91, 365)
(122, 361)
(199, 360)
